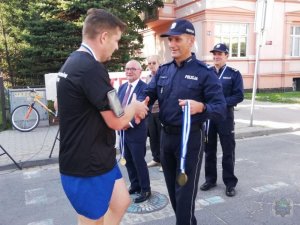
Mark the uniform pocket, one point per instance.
(163, 84)
(163, 81)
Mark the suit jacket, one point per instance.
(137, 133)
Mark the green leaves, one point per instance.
(36, 36)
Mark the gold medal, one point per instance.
(123, 161)
(182, 179)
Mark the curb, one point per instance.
(240, 135)
(30, 164)
(264, 132)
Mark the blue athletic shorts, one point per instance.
(90, 196)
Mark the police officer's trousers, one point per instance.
(182, 197)
(154, 129)
(225, 130)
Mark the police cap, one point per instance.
(220, 48)
(180, 26)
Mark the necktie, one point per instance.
(125, 99)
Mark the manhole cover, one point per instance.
(156, 202)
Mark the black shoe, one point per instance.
(133, 191)
(230, 191)
(143, 196)
(206, 186)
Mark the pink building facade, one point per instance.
(233, 22)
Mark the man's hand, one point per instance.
(126, 127)
(135, 109)
(141, 108)
(196, 107)
(146, 101)
(136, 118)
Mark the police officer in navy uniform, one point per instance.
(184, 78)
(233, 90)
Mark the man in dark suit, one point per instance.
(135, 136)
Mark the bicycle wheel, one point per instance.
(25, 118)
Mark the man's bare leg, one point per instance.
(118, 204)
(82, 220)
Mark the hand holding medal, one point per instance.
(182, 177)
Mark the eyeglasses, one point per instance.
(131, 69)
(153, 63)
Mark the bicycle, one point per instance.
(25, 118)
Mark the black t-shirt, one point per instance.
(86, 142)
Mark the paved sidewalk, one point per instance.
(29, 148)
(33, 148)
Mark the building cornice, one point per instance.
(293, 16)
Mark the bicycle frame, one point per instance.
(37, 99)
(29, 111)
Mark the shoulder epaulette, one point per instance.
(209, 66)
(165, 64)
(233, 69)
(203, 64)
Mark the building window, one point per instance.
(295, 41)
(234, 36)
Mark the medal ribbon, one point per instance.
(89, 50)
(122, 137)
(185, 134)
(222, 72)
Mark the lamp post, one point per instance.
(263, 21)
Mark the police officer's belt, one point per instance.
(178, 129)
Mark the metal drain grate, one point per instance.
(156, 202)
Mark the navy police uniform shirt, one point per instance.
(191, 80)
(232, 83)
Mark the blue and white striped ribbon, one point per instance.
(122, 148)
(185, 134)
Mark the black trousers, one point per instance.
(182, 197)
(136, 166)
(154, 129)
(225, 130)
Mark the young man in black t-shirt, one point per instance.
(89, 173)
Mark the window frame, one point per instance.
(228, 37)
(293, 39)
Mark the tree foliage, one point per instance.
(36, 36)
